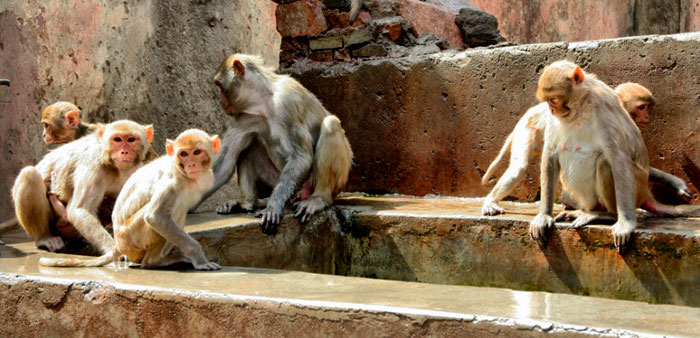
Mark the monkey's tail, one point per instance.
(684, 210)
(79, 262)
(8, 225)
(355, 6)
(492, 166)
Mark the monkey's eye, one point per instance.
(641, 106)
(117, 139)
(45, 125)
(183, 154)
(198, 151)
(131, 139)
(554, 100)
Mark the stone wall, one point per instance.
(432, 124)
(150, 61)
(578, 20)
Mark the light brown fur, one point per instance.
(149, 215)
(528, 135)
(80, 174)
(62, 124)
(282, 135)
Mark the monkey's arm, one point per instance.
(672, 181)
(235, 141)
(88, 193)
(159, 216)
(549, 172)
(622, 167)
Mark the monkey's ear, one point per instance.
(100, 131)
(72, 119)
(170, 147)
(216, 144)
(238, 68)
(149, 133)
(577, 76)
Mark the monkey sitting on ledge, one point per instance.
(636, 100)
(282, 135)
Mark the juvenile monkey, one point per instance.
(636, 100)
(80, 174)
(282, 135)
(597, 152)
(61, 123)
(150, 212)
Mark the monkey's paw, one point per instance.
(622, 231)
(208, 266)
(538, 228)
(490, 208)
(581, 218)
(52, 244)
(271, 218)
(234, 207)
(306, 209)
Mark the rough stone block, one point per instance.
(359, 36)
(326, 42)
(322, 56)
(372, 49)
(392, 31)
(428, 18)
(478, 27)
(301, 18)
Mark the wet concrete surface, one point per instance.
(31, 294)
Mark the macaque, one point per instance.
(61, 123)
(282, 135)
(593, 146)
(80, 174)
(636, 100)
(149, 215)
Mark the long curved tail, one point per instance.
(683, 210)
(492, 166)
(355, 6)
(79, 262)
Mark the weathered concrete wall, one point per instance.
(150, 61)
(432, 125)
(578, 20)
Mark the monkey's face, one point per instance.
(124, 149)
(641, 113)
(193, 162)
(225, 81)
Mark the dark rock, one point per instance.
(372, 49)
(478, 27)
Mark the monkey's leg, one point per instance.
(162, 254)
(332, 162)
(582, 218)
(33, 209)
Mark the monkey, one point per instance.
(592, 144)
(62, 124)
(636, 100)
(355, 7)
(82, 173)
(150, 212)
(282, 135)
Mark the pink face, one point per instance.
(125, 148)
(194, 162)
(556, 105)
(225, 102)
(641, 114)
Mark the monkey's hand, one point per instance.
(235, 206)
(490, 208)
(271, 218)
(538, 228)
(622, 231)
(51, 243)
(208, 266)
(683, 190)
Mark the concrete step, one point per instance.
(438, 241)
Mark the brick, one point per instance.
(301, 18)
(326, 42)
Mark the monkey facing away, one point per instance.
(80, 174)
(150, 212)
(636, 100)
(281, 135)
(597, 152)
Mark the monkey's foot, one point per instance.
(490, 208)
(582, 218)
(306, 209)
(684, 192)
(235, 206)
(271, 218)
(538, 228)
(622, 231)
(53, 243)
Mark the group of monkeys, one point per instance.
(281, 136)
(284, 137)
